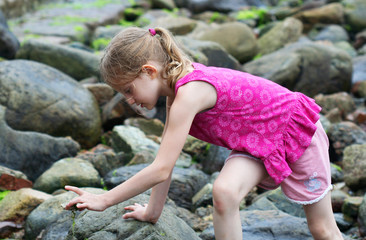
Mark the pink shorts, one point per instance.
(310, 179)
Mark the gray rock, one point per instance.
(307, 67)
(198, 6)
(208, 53)
(82, 17)
(242, 43)
(342, 100)
(355, 14)
(30, 152)
(185, 182)
(110, 225)
(359, 69)
(283, 33)
(333, 33)
(269, 225)
(68, 171)
(42, 99)
(278, 200)
(344, 134)
(9, 44)
(176, 25)
(76, 63)
(354, 166)
(215, 159)
(49, 212)
(362, 216)
(131, 139)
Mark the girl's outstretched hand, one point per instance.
(139, 213)
(86, 200)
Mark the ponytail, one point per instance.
(130, 49)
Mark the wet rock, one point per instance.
(68, 171)
(34, 152)
(354, 166)
(351, 206)
(17, 205)
(307, 67)
(40, 98)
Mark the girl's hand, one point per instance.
(86, 200)
(139, 213)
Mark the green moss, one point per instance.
(258, 14)
(67, 20)
(3, 194)
(258, 56)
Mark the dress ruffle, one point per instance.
(296, 138)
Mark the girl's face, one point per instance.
(143, 91)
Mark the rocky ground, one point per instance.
(60, 124)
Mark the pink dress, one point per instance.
(256, 116)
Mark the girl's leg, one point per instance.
(321, 220)
(238, 176)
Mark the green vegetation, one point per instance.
(258, 56)
(3, 194)
(258, 14)
(76, 5)
(66, 20)
(99, 44)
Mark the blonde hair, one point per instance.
(133, 47)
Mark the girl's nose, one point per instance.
(130, 100)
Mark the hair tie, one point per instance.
(152, 31)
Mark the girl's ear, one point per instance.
(150, 70)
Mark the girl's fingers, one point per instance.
(74, 189)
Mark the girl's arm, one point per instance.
(191, 99)
(152, 211)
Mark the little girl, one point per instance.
(275, 134)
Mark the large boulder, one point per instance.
(9, 44)
(310, 68)
(42, 99)
(241, 44)
(78, 64)
(31, 152)
(110, 225)
(50, 212)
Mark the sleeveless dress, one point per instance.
(256, 116)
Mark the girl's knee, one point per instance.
(225, 198)
(322, 231)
